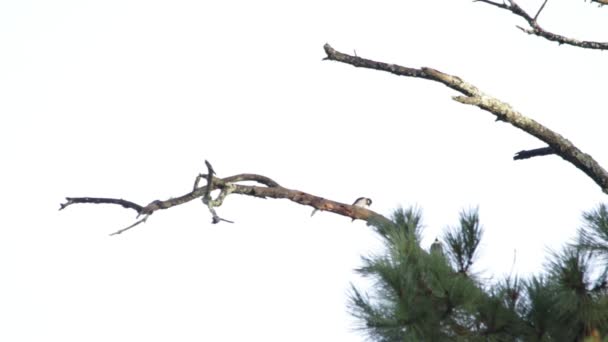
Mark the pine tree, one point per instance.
(434, 296)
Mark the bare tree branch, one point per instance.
(600, 2)
(144, 219)
(197, 180)
(210, 203)
(503, 111)
(540, 10)
(537, 152)
(209, 188)
(210, 168)
(536, 30)
(241, 178)
(97, 200)
(252, 177)
(228, 186)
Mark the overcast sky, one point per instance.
(127, 98)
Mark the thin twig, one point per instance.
(252, 177)
(210, 174)
(600, 2)
(216, 218)
(540, 10)
(143, 219)
(207, 197)
(497, 4)
(100, 200)
(210, 168)
(198, 179)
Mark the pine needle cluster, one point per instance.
(421, 295)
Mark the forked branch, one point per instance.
(228, 186)
(503, 111)
(537, 30)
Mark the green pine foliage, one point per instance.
(434, 296)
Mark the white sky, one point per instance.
(127, 98)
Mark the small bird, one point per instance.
(362, 202)
(437, 248)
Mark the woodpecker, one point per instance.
(362, 202)
(437, 248)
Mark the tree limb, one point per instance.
(142, 220)
(600, 2)
(227, 186)
(97, 200)
(503, 111)
(207, 200)
(540, 10)
(535, 29)
(537, 152)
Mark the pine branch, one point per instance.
(462, 242)
(593, 236)
(417, 295)
(535, 29)
(503, 111)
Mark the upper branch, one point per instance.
(503, 111)
(535, 29)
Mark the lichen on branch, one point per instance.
(502, 110)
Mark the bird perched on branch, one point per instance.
(362, 202)
(437, 248)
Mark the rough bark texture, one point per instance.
(503, 111)
(557, 144)
(228, 185)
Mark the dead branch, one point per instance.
(97, 200)
(537, 152)
(540, 10)
(535, 29)
(208, 201)
(503, 111)
(600, 2)
(144, 219)
(209, 188)
(229, 185)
